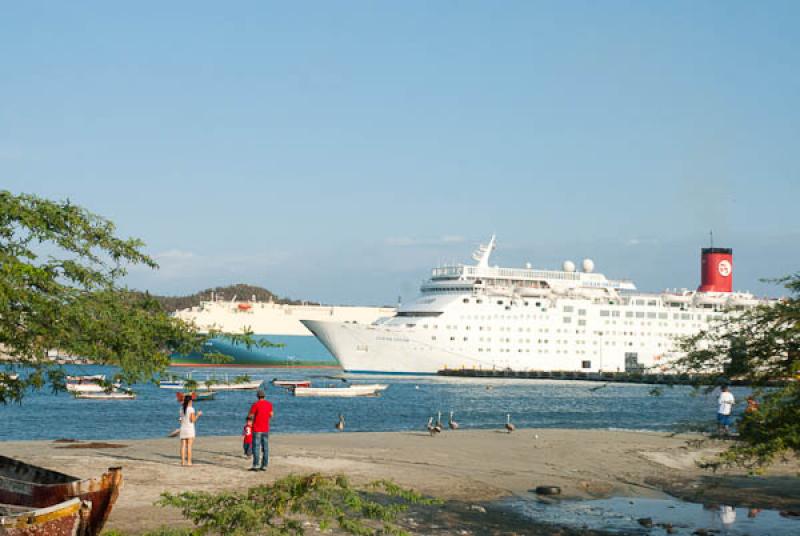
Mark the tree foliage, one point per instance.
(761, 347)
(60, 267)
(281, 507)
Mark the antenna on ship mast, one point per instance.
(711, 238)
(483, 252)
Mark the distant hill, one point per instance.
(240, 292)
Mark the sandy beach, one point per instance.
(463, 466)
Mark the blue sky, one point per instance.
(335, 151)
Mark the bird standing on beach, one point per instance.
(451, 423)
(433, 430)
(509, 426)
(340, 424)
(439, 421)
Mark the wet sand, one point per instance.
(464, 466)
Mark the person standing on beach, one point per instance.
(261, 412)
(188, 418)
(247, 437)
(724, 411)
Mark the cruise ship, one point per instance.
(277, 323)
(524, 319)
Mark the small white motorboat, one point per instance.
(291, 384)
(213, 383)
(172, 384)
(233, 386)
(349, 391)
(88, 384)
(111, 395)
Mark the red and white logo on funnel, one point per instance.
(716, 270)
(724, 268)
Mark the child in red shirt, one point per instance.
(247, 437)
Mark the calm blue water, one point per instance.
(406, 405)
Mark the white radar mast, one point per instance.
(483, 253)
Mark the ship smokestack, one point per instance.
(716, 270)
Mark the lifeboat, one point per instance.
(706, 298)
(743, 300)
(677, 298)
(532, 292)
(245, 306)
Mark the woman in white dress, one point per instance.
(188, 418)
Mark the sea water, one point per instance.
(622, 515)
(405, 405)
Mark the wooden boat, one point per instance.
(290, 384)
(347, 392)
(31, 486)
(67, 518)
(196, 395)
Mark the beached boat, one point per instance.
(111, 395)
(31, 486)
(347, 392)
(63, 519)
(291, 384)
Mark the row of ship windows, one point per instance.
(570, 308)
(628, 314)
(586, 364)
(545, 330)
(547, 341)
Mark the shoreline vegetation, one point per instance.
(470, 470)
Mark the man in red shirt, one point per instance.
(261, 412)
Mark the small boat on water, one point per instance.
(213, 383)
(33, 488)
(116, 394)
(233, 386)
(196, 395)
(345, 392)
(88, 384)
(290, 384)
(64, 518)
(87, 378)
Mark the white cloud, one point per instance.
(639, 241)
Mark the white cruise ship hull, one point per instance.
(371, 349)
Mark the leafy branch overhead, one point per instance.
(60, 267)
(760, 346)
(281, 507)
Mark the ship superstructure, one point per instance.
(482, 316)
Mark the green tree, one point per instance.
(760, 346)
(60, 267)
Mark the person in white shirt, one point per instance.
(725, 411)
